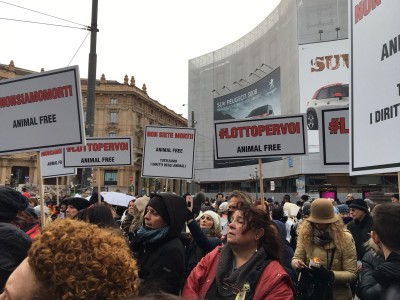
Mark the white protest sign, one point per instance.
(51, 163)
(98, 152)
(375, 105)
(168, 152)
(263, 137)
(335, 135)
(40, 111)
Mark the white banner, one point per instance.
(375, 109)
(335, 135)
(168, 152)
(40, 111)
(261, 137)
(98, 152)
(52, 165)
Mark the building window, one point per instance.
(114, 101)
(110, 177)
(112, 134)
(85, 100)
(113, 117)
(84, 116)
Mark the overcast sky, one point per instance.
(151, 39)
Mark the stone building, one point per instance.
(121, 109)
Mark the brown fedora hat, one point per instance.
(322, 212)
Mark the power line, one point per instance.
(38, 12)
(78, 48)
(41, 23)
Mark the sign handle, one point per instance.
(98, 186)
(261, 181)
(57, 192)
(41, 191)
(398, 182)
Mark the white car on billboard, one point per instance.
(329, 96)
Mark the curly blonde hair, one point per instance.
(336, 232)
(76, 260)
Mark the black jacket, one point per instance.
(14, 246)
(161, 264)
(387, 275)
(368, 288)
(361, 233)
(198, 246)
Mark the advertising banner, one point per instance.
(168, 152)
(324, 76)
(260, 99)
(256, 138)
(100, 152)
(375, 108)
(52, 165)
(335, 136)
(41, 111)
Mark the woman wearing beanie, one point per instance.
(134, 217)
(323, 236)
(205, 236)
(157, 247)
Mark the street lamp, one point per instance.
(251, 176)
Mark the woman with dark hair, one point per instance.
(247, 267)
(323, 238)
(99, 214)
(157, 246)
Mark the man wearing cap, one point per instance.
(14, 243)
(361, 225)
(74, 205)
(395, 198)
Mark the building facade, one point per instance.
(121, 109)
(274, 57)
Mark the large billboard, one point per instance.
(375, 109)
(260, 99)
(261, 137)
(324, 76)
(41, 111)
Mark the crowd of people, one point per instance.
(165, 246)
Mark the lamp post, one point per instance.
(251, 176)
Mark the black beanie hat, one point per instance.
(11, 201)
(158, 204)
(78, 202)
(359, 204)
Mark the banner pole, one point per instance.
(98, 185)
(41, 191)
(261, 182)
(57, 193)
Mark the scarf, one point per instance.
(321, 238)
(147, 235)
(230, 281)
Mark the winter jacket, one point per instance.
(368, 288)
(274, 282)
(361, 233)
(344, 264)
(161, 264)
(198, 247)
(14, 246)
(387, 275)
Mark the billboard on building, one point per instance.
(335, 136)
(41, 111)
(100, 152)
(168, 152)
(256, 100)
(324, 76)
(52, 164)
(261, 137)
(375, 109)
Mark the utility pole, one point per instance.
(91, 86)
(192, 183)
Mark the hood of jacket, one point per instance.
(388, 273)
(177, 212)
(14, 246)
